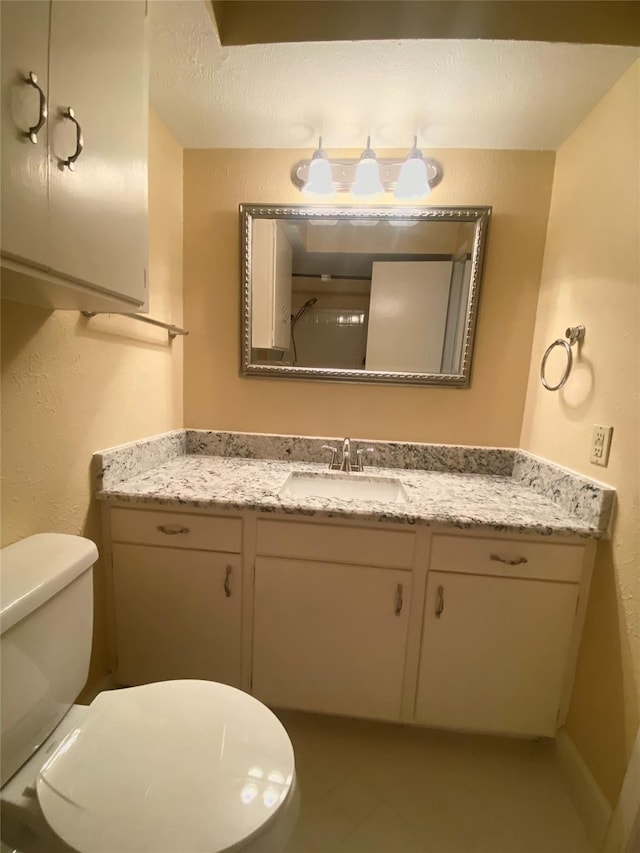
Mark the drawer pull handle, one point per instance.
(440, 602)
(70, 162)
(519, 561)
(32, 133)
(172, 531)
(399, 600)
(227, 582)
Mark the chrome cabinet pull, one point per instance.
(70, 162)
(171, 531)
(440, 602)
(227, 582)
(519, 561)
(399, 600)
(32, 133)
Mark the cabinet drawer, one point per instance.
(333, 543)
(506, 558)
(177, 530)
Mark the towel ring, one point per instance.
(572, 335)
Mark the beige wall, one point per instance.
(591, 275)
(516, 183)
(71, 386)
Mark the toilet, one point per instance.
(172, 767)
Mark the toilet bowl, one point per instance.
(171, 767)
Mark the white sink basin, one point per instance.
(357, 487)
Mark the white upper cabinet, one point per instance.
(74, 231)
(25, 180)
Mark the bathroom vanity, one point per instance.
(460, 607)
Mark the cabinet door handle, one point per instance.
(70, 162)
(227, 582)
(519, 561)
(439, 602)
(32, 133)
(171, 531)
(399, 600)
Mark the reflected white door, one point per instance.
(408, 315)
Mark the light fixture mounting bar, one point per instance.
(343, 173)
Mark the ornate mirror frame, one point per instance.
(478, 215)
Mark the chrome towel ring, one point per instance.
(573, 334)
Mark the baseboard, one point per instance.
(624, 830)
(591, 804)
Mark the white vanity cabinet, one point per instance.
(436, 627)
(74, 230)
(331, 616)
(176, 586)
(499, 634)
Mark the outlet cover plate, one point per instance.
(600, 444)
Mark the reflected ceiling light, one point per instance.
(413, 181)
(319, 180)
(409, 179)
(367, 183)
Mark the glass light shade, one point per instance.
(319, 180)
(367, 182)
(413, 182)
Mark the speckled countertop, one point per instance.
(521, 501)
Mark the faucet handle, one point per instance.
(334, 454)
(359, 454)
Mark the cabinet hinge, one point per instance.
(145, 278)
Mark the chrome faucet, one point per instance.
(345, 465)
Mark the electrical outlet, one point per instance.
(600, 444)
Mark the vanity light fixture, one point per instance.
(409, 179)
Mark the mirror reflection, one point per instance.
(386, 295)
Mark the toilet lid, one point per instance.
(173, 766)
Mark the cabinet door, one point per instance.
(25, 49)
(177, 614)
(99, 210)
(330, 638)
(494, 653)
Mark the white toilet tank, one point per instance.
(46, 624)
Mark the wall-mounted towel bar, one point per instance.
(572, 335)
(173, 331)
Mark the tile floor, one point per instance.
(375, 788)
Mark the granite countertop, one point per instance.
(482, 501)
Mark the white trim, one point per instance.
(591, 804)
(624, 831)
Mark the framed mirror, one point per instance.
(381, 294)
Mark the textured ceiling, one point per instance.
(452, 93)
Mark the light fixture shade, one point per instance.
(319, 179)
(367, 181)
(413, 182)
